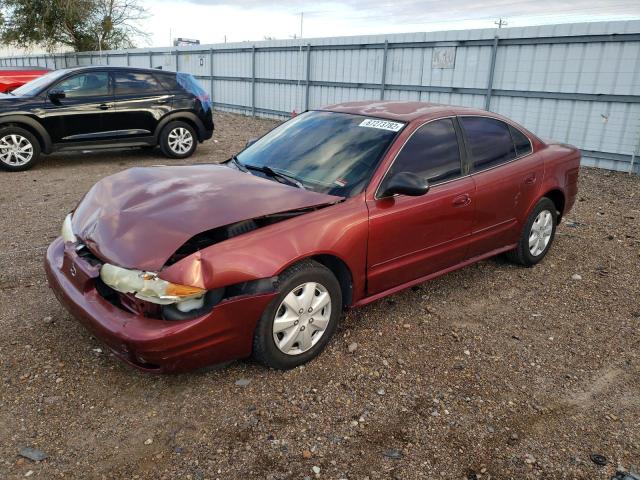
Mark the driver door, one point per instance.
(412, 237)
(84, 112)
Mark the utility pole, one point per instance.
(501, 22)
(301, 20)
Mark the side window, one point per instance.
(522, 143)
(168, 81)
(432, 153)
(489, 141)
(91, 84)
(136, 83)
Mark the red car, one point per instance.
(14, 77)
(184, 266)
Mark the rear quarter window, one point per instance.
(520, 140)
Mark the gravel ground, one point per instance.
(494, 371)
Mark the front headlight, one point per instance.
(148, 286)
(67, 230)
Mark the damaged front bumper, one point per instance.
(151, 344)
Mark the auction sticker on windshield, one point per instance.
(381, 124)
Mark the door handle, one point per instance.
(530, 179)
(104, 106)
(462, 200)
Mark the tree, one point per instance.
(84, 25)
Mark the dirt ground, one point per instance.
(494, 371)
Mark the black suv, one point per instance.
(103, 107)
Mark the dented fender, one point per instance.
(339, 230)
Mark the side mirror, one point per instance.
(405, 183)
(56, 95)
(250, 142)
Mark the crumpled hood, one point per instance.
(139, 217)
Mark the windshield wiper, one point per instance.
(290, 179)
(238, 163)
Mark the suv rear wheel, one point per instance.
(178, 140)
(19, 149)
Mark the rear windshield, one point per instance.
(191, 85)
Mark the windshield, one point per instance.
(328, 152)
(35, 86)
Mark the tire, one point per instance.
(298, 280)
(536, 240)
(19, 149)
(170, 140)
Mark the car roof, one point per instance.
(403, 111)
(115, 67)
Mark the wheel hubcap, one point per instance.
(540, 234)
(180, 140)
(15, 150)
(302, 318)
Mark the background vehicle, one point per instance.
(14, 77)
(179, 267)
(103, 107)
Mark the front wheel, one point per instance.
(19, 149)
(178, 140)
(301, 320)
(537, 235)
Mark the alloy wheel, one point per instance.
(180, 140)
(15, 150)
(540, 233)
(302, 318)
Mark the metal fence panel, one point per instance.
(233, 64)
(578, 83)
(232, 93)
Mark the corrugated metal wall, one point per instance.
(578, 83)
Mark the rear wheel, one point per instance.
(537, 235)
(300, 321)
(178, 140)
(19, 149)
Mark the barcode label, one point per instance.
(382, 124)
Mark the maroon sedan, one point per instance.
(184, 266)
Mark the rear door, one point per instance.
(506, 177)
(83, 115)
(140, 102)
(412, 237)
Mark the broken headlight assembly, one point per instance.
(178, 302)
(67, 231)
